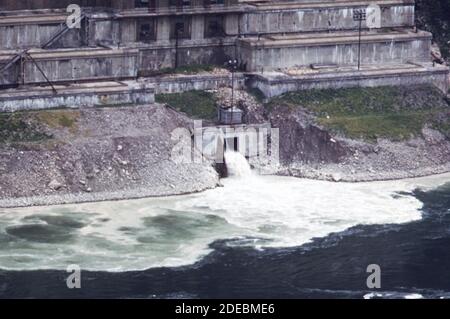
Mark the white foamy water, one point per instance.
(392, 295)
(237, 165)
(141, 234)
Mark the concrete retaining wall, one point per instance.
(120, 95)
(195, 82)
(392, 49)
(189, 53)
(64, 65)
(274, 86)
(307, 20)
(36, 35)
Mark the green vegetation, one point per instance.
(434, 16)
(59, 118)
(196, 104)
(442, 123)
(15, 127)
(66, 121)
(392, 112)
(257, 94)
(25, 127)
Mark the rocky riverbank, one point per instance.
(418, 143)
(64, 156)
(386, 160)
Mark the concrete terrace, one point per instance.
(321, 4)
(134, 40)
(88, 94)
(326, 38)
(274, 83)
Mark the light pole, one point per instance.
(232, 65)
(359, 15)
(177, 36)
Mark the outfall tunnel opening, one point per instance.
(254, 142)
(231, 144)
(228, 144)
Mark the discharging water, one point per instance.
(257, 221)
(237, 165)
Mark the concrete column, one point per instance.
(198, 27)
(232, 24)
(197, 3)
(231, 2)
(162, 3)
(128, 31)
(122, 4)
(163, 29)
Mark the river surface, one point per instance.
(256, 237)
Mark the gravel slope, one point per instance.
(109, 153)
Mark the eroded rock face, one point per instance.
(308, 150)
(303, 141)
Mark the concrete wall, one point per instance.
(307, 20)
(117, 4)
(195, 82)
(9, 77)
(189, 53)
(61, 66)
(45, 99)
(65, 65)
(258, 58)
(36, 35)
(56, 4)
(272, 87)
(102, 29)
(35, 4)
(102, 32)
(89, 67)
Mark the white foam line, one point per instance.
(285, 211)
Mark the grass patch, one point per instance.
(396, 113)
(257, 94)
(196, 104)
(59, 118)
(442, 123)
(15, 128)
(66, 121)
(399, 126)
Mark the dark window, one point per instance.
(146, 30)
(209, 2)
(179, 3)
(141, 3)
(150, 4)
(214, 26)
(181, 28)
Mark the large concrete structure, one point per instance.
(134, 39)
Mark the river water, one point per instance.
(257, 236)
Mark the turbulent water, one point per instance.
(250, 219)
(237, 165)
